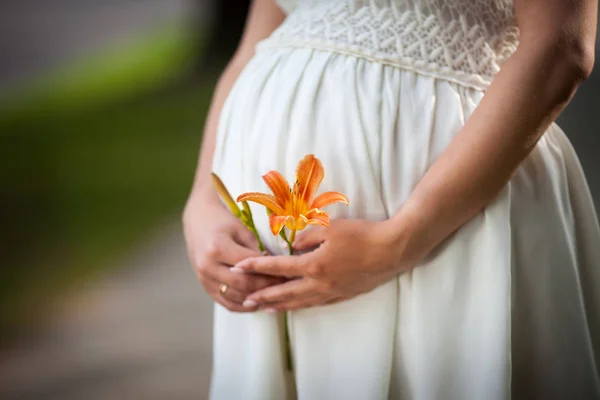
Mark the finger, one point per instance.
(287, 266)
(287, 291)
(310, 238)
(226, 250)
(231, 306)
(212, 288)
(245, 237)
(229, 293)
(336, 300)
(298, 304)
(244, 283)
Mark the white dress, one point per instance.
(507, 307)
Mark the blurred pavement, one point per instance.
(143, 332)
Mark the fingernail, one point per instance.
(236, 270)
(241, 264)
(270, 310)
(249, 303)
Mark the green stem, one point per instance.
(261, 247)
(288, 348)
(284, 236)
(288, 351)
(290, 242)
(250, 225)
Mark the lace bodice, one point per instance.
(465, 41)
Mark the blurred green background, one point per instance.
(102, 107)
(93, 158)
(99, 143)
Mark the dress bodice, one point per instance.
(461, 40)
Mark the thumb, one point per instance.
(245, 237)
(232, 251)
(310, 238)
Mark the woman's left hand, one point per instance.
(352, 257)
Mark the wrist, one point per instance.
(407, 235)
(204, 192)
(202, 197)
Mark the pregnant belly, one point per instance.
(375, 128)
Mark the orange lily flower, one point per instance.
(297, 207)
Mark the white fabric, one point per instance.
(508, 306)
(462, 40)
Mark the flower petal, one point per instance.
(301, 222)
(309, 176)
(277, 222)
(318, 217)
(327, 198)
(279, 186)
(266, 200)
(291, 224)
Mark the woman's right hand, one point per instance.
(216, 240)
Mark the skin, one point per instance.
(555, 55)
(215, 239)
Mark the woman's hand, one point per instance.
(353, 257)
(216, 240)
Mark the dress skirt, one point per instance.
(506, 307)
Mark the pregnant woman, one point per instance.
(467, 265)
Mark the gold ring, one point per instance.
(223, 288)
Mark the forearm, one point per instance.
(264, 17)
(202, 183)
(525, 97)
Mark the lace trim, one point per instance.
(450, 48)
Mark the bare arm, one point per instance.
(353, 256)
(263, 18)
(556, 53)
(215, 238)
